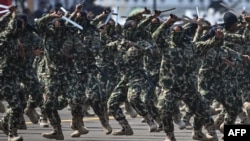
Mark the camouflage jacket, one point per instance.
(8, 47)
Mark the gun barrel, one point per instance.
(168, 10)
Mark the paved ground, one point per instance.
(141, 133)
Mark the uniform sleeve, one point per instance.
(4, 21)
(201, 47)
(238, 38)
(42, 24)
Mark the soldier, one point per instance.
(232, 103)
(159, 37)
(89, 70)
(216, 66)
(62, 80)
(79, 15)
(176, 79)
(29, 44)
(39, 66)
(134, 81)
(10, 32)
(152, 63)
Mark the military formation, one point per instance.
(166, 71)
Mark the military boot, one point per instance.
(2, 107)
(143, 120)
(246, 107)
(218, 121)
(77, 126)
(212, 132)
(131, 111)
(126, 129)
(243, 118)
(181, 124)
(105, 124)
(13, 136)
(21, 123)
(55, 134)
(160, 124)
(43, 122)
(32, 114)
(186, 120)
(170, 137)
(150, 121)
(198, 135)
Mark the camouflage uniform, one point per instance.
(159, 36)
(244, 84)
(176, 79)
(29, 42)
(105, 58)
(234, 77)
(9, 82)
(39, 66)
(131, 51)
(62, 79)
(212, 83)
(152, 63)
(89, 72)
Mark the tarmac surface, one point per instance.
(96, 133)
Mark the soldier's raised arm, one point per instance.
(42, 23)
(159, 32)
(7, 17)
(201, 47)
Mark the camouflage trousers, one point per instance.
(117, 97)
(108, 79)
(222, 90)
(244, 86)
(168, 103)
(31, 87)
(95, 95)
(9, 89)
(150, 99)
(61, 90)
(137, 89)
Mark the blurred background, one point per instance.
(211, 10)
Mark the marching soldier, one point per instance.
(10, 32)
(176, 79)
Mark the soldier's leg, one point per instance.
(167, 102)
(97, 102)
(135, 93)
(23, 97)
(188, 114)
(117, 97)
(149, 100)
(76, 123)
(50, 108)
(33, 87)
(231, 111)
(9, 122)
(200, 106)
(76, 98)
